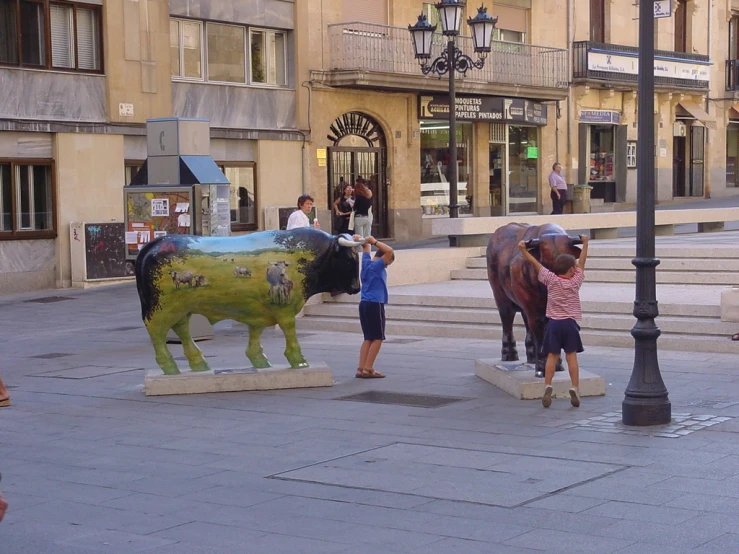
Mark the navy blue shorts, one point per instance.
(562, 334)
(372, 318)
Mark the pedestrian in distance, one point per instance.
(362, 209)
(372, 304)
(344, 207)
(563, 311)
(299, 218)
(559, 189)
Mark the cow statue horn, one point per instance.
(343, 241)
(532, 243)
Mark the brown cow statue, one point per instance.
(516, 286)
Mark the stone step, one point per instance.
(624, 264)
(605, 276)
(489, 318)
(619, 339)
(488, 303)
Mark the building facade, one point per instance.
(79, 81)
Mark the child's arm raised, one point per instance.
(584, 253)
(528, 256)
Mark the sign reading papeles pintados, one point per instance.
(484, 108)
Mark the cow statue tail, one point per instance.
(144, 278)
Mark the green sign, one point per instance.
(532, 152)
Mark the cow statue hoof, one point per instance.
(509, 353)
(200, 366)
(260, 363)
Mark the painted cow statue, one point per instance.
(308, 262)
(516, 286)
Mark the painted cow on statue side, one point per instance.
(516, 286)
(307, 262)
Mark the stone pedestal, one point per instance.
(518, 380)
(233, 380)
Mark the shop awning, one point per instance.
(698, 113)
(734, 112)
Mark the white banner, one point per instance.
(620, 63)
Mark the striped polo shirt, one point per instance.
(563, 295)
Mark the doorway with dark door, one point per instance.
(358, 151)
(688, 162)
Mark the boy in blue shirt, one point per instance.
(372, 304)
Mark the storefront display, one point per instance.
(601, 166)
(523, 173)
(434, 166)
(732, 155)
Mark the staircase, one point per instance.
(688, 291)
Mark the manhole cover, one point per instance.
(402, 399)
(50, 299)
(401, 341)
(51, 355)
(85, 372)
(127, 328)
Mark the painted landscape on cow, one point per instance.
(261, 280)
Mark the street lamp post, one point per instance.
(646, 400)
(452, 59)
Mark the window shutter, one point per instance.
(87, 39)
(510, 19)
(365, 11)
(62, 33)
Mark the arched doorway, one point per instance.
(358, 150)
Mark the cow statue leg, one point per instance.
(255, 352)
(192, 352)
(292, 349)
(507, 312)
(158, 335)
(536, 326)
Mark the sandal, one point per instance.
(359, 374)
(372, 374)
(735, 336)
(5, 402)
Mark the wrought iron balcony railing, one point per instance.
(381, 48)
(599, 61)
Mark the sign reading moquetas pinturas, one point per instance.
(485, 108)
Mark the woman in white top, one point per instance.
(299, 218)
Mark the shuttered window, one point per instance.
(88, 39)
(365, 11)
(510, 19)
(62, 36)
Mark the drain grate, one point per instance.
(50, 299)
(51, 355)
(125, 328)
(403, 399)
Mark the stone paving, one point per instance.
(90, 465)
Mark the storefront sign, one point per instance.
(485, 108)
(627, 64)
(662, 8)
(600, 116)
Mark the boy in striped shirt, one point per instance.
(563, 312)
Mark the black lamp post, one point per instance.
(646, 401)
(451, 60)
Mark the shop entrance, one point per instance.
(359, 151)
(688, 162)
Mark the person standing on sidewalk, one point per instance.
(559, 189)
(372, 304)
(299, 218)
(564, 311)
(362, 209)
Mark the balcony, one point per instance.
(618, 65)
(732, 75)
(366, 55)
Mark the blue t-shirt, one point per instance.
(374, 279)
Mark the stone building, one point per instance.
(79, 80)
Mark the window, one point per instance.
(26, 201)
(268, 57)
(733, 38)
(681, 26)
(505, 35)
(131, 170)
(597, 20)
(218, 53)
(226, 53)
(631, 154)
(72, 31)
(186, 52)
(243, 196)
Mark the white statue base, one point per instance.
(234, 380)
(517, 379)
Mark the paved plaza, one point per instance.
(91, 465)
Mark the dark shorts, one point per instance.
(562, 334)
(372, 318)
